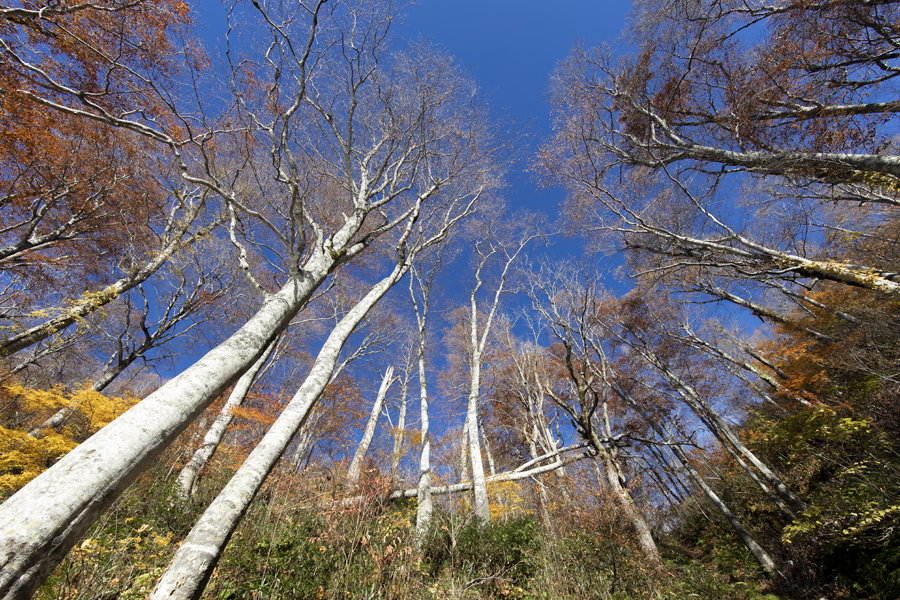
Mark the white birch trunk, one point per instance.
(761, 556)
(197, 556)
(425, 506)
(492, 468)
(481, 507)
(363, 448)
(213, 437)
(515, 475)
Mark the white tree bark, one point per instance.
(758, 552)
(213, 437)
(363, 448)
(43, 520)
(477, 343)
(515, 475)
(722, 429)
(197, 556)
(425, 505)
(400, 433)
(423, 490)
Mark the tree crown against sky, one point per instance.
(734, 153)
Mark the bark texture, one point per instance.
(43, 520)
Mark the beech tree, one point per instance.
(402, 144)
(421, 283)
(569, 307)
(354, 470)
(750, 168)
(216, 431)
(502, 245)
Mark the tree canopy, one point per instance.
(271, 328)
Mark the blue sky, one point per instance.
(511, 47)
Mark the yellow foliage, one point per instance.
(97, 409)
(22, 456)
(507, 500)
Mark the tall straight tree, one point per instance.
(503, 246)
(355, 145)
(421, 284)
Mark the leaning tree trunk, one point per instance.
(197, 556)
(363, 448)
(188, 476)
(758, 552)
(722, 430)
(93, 301)
(70, 495)
(761, 556)
(616, 483)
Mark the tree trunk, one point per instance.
(481, 507)
(188, 476)
(423, 489)
(70, 495)
(616, 483)
(400, 433)
(723, 431)
(761, 556)
(197, 556)
(363, 448)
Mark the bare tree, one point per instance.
(353, 472)
(387, 151)
(568, 306)
(420, 288)
(750, 169)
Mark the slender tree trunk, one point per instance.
(761, 556)
(197, 556)
(302, 451)
(516, 475)
(465, 473)
(481, 506)
(188, 476)
(363, 448)
(616, 482)
(723, 431)
(400, 434)
(755, 478)
(492, 468)
(423, 489)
